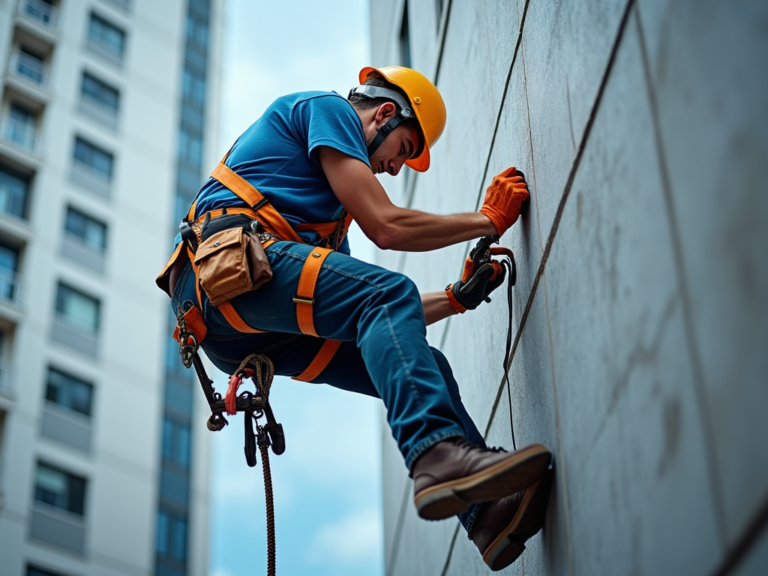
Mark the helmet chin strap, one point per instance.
(403, 113)
(382, 133)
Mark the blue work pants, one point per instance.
(378, 316)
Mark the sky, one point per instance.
(327, 484)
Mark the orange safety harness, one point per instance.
(277, 228)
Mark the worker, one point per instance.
(304, 169)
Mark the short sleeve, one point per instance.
(329, 120)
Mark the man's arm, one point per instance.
(387, 225)
(436, 306)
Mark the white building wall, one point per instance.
(122, 466)
(639, 311)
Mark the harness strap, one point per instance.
(320, 361)
(305, 295)
(194, 323)
(236, 321)
(191, 256)
(270, 218)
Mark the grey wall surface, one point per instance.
(640, 352)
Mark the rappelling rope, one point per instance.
(261, 370)
(271, 562)
(507, 263)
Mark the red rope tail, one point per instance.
(235, 381)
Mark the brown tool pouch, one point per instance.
(231, 262)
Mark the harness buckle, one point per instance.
(303, 300)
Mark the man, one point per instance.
(307, 166)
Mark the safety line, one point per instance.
(690, 333)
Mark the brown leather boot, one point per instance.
(502, 528)
(455, 473)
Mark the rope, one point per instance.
(264, 372)
(270, 503)
(507, 263)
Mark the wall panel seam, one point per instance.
(748, 538)
(398, 528)
(694, 356)
(564, 196)
(562, 475)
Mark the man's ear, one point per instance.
(385, 113)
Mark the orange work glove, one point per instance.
(504, 197)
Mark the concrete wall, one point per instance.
(640, 318)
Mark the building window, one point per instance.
(30, 66)
(13, 193)
(9, 265)
(69, 392)
(20, 126)
(405, 39)
(171, 541)
(77, 309)
(104, 35)
(193, 86)
(190, 147)
(42, 11)
(100, 93)
(5, 379)
(176, 442)
(86, 230)
(93, 158)
(61, 489)
(197, 31)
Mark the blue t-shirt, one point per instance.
(278, 156)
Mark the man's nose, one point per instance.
(394, 167)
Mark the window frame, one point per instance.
(62, 315)
(101, 40)
(82, 238)
(66, 376)
(75, 503)
(94, 151)
(100, 92)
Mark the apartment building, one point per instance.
(107, 119)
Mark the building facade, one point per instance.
(108, 114)
(640, 324)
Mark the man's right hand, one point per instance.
(503, 199)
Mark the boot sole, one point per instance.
(504, 478)
(528, 520)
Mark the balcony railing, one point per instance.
(5, 378)
(10, 291)
(40, 12)
(29, 68)
(97, 110)
(19, 133)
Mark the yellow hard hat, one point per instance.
(426, 103)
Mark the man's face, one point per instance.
(395, 150)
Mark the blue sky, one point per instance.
(327, 484)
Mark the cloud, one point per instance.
(351, 539)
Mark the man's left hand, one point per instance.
(475, 285)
